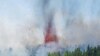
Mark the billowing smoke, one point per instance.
(22, 24)
(20, 27)
(76, 23)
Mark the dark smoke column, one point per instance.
(50, 41)
(50, 34)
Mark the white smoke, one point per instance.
(19, 26)
(22, 23)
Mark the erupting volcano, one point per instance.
(50, 34)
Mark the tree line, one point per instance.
(90, 51)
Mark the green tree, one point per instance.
(54, 54)
(77, 52)
(98, 51)
(68, 53)
(91, 51)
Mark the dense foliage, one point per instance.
(91, 51)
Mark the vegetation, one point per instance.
(91, 51)
(54, 54)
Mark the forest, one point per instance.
(90, 51)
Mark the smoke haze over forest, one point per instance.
(23, 22)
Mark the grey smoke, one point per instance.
(22, 23)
